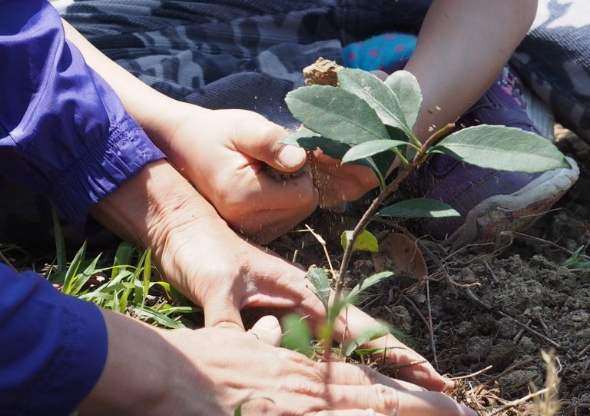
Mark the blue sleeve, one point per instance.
(63, 130)
(54, 347)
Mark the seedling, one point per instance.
(371, 123)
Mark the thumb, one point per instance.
(268, 330)
(261, 141)
(223, 312)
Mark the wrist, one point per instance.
(129, 385)
(163, 119)
(153, 209)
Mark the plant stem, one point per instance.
(419, 158)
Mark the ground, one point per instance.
(485, 312)
(494, 307)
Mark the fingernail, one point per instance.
(268, 322)
(291, 156)
(449, 384)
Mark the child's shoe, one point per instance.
(489, 201)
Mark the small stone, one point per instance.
(401, 319)
(464, 328)
(501, 355)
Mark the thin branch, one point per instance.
(323, 243)
(510, 369)
(428, 325)
(483, 370)
(584, 351)
(543, 241)
(519, 401)
(8, 263)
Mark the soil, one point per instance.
(481, 298)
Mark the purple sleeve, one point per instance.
(63, 130)
(53, 350)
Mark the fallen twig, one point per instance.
(428, 325)
(543, 241)
(8, 263)
(520, 333)
(584, 351)
(494, 277)
(323, 243)
(510, 369)
(519, 401)
(483, 370)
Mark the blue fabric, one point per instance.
(63, 131)
(54, 347)
(384, 52)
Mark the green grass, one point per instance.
(124, 284)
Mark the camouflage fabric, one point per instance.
(234, 53)
(249, 53)
(554, 61)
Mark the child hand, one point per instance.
(226, 155)
(337, 183)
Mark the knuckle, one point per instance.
(385, 397)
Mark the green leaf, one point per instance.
(368, 282)
(574, 262)
(309, 140)
(418, 208)
(336, 114)
(372, 90)
(368, 149)
(72, 271)
(502, 148)
(60, 245)
(405, 87)
(238, 411)
(337, 308)
(296, 335)
(371, 351)
(122, 258)
(364, 242)
(159, 318)
(364, 337)
(82, 279)
(300, 137)
(168, 310)
(147, 275)
(320, 285)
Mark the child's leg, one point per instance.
(554, 60)
(489, 201)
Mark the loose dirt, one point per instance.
(493, 307)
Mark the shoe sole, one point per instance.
(517, 211)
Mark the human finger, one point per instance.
(263, 226)
(222, 312)
(354, 412)
(391, 401)
(267, 329)
(346, 374)
(405, 363)
(260, 139)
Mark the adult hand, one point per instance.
(214, 267)
(226, 154)
(213, 371)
